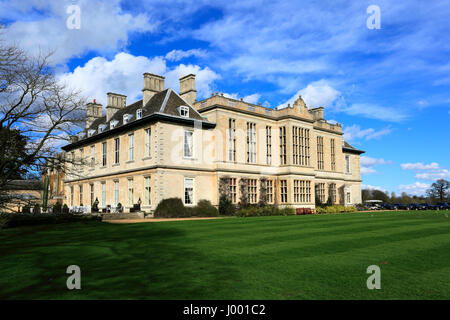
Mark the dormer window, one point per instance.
(126, 117)
(184, 111)
(101, 128)
(113, 124)
(91, 132)
(138, 113)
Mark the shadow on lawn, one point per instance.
(135, 261)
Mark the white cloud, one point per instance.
(373, 111)
(370, 187)
(177, 55)
(252, 98)
(431, 171)
(417, 188)
(104, 27)
(315, 94)
(355, 132)
(419, 166)
(368, 164)
(204, 78)
(123, 74)
(435, 175)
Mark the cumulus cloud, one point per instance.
(251, 98)
(177, 55)
(374, 111)
(368, 164)
(434, 175)
(355, 132)
(431, 171)
(417, 188)
(123, 74)
(419, 166)
(370, 187)
(104, 27)
(315, 94)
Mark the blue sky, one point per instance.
(389, 87)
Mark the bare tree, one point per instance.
(37, 107)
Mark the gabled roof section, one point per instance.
(347, 147)
(162, 106)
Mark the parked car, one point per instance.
(414, 206)
(429, 206)
(402, 206)
(388, 206)
(443, 205)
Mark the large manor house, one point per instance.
(170, 145)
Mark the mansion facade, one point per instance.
(170, 145)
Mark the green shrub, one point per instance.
(287, 211)
(268, 210)
(12, 220)
(36, 208)
(226, 207)
(337, 208)
(171, 208)
(204, 208)
(57, 208)
(65, 208)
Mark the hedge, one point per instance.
(174, 208)
(12, 220)
(268, 210)
(335, 209)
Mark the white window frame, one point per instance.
(104, 153)
(116, 193)
(103, 194)
(184, 111)
(130, 192)
(347, 163)
(186, 142)
(192, 201)
(148, 142)
(131, 147)
(117, 151)
(92, 163)
(138, 113)
(147, 191)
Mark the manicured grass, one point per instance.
(294, 257)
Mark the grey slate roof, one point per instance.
(166, 101)
(349, 148)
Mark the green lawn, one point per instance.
(296, 257)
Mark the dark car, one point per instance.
(414, 206)
(443, 206)
(429, 206)
(388, 206)
(401, 206)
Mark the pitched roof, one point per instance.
(24, 185)
(349, 148)
(166, 101)
(164, 105)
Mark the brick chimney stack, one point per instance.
(187, 89)
(93, 111)
(115, 102)
(152, 85)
